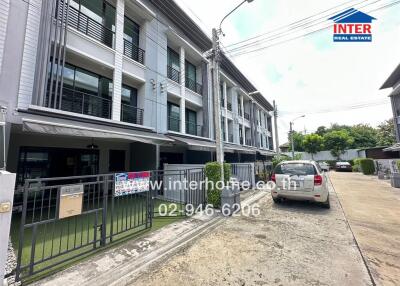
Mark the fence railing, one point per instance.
(131, 114)
(229, 106)
(87, 25)
(243, 172)
(194, 129)
(174, 124)
(173, 74)
(84, 103)
(193, 85)
(134, 52)
(68, 217)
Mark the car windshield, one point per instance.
(302, 169)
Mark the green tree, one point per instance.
(313, 143)
(337, 142)
(363, 136)
(298, 142)
(385, 133)
(321, 131)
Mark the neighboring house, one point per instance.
(123, 86)
(393, 82)
(285, 147)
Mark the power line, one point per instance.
(309, 33)
(300, 28)
(291, 24)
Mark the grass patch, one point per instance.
(62, 243)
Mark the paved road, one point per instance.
(288, 244)
(373, 210)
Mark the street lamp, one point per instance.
(291, 132)
(215, 58)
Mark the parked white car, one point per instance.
(324, 166)
(300, 180)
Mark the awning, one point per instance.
(266, 153)
(68, 128)
(195, 144)
(238, 148)
(394, 148)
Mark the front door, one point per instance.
(116, 161)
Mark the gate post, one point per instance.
(104, 215)
(7, 184)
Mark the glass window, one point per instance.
(173, 59)
(129, 95)
(131, 31)
(190, 71)
(295, 169)
(86, 82)
(173, 117)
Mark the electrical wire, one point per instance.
(309, 33)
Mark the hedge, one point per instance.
(213, 174)
(367, 166)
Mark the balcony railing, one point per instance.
(230, 138)
(134, 52)
(246, 116)
(173, 74)
(131, 114)
(194, 129)
(84, 103)
(229, 106)
(248, 142)
(174, 124)
(87, 25)
(240, 140)
(193, 85)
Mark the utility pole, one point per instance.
(215, 58)
(291, 138)
(292, 133)
(278, 151)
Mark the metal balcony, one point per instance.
(87, 25)
(194, 129)
(174, 124)
(131, 114)
(193, 85)
(84, 103)
(173, 74)
(229, 106)
(134, 52)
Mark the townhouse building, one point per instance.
(98, 86)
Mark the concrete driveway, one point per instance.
(372, 208)
(288, 244)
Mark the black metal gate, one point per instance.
(49, 237)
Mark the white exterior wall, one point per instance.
(29, 55)
(4, 10)
(327, 156)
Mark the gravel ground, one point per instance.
(293, 243)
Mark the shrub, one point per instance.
(398, 165)
(356, 165)
(213, 174)
(367, 166)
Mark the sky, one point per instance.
(310, 75)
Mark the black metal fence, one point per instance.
(50, 235)
(134, 52)
(131, 114)
(88, 26)
(173, 74)
(193, 85)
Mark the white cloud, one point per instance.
(314, 73)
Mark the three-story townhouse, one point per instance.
(118, 85)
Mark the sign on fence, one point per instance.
(71, 198)
(131, 183)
